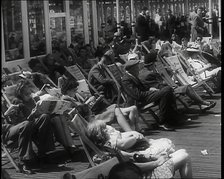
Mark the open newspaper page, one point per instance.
(51, 105)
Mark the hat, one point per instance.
(11, 109)
(150, 57)
(129, 64)
(117, 34)
(132, 56)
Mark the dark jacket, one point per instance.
(100, 80)
(135, 90)
(142, 27)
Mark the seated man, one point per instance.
(150, 78)
(24, 132)
(164, 97)
(160, 157)
(58, 122)
(101, 80)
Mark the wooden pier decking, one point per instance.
(202, 133)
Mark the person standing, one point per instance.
(142, 26)
(170, 23)
(159, 21)
(197, 28)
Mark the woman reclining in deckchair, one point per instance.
(158, 158)
(109, 114)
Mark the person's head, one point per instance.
(166, 49)
(195, 9)
(147, 13)
(150, 58)
(152, 42)
(82, 52)
(184, 42)
(132, 67)
(23, 91)
(169, 12)
(125, 170)
(144, 9)
(198, 40)
(69, 87)
(199, 11)
(97, 132)
(158, 11)
(49, 60)
(105, 60)
(35, 65)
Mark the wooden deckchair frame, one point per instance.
(182, 77)
(196, 74)
(79, 125)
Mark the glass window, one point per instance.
(57, 23)
(12, 24)
(76, 21)
(90, 20)
(36, 28)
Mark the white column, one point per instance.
(219, 19)
(102, 16)
(67, 22)
(47, 27)
(132, 18)
(85, 21)
(210, 16)
(3, 61)
(118, 15)
(25, 26)
(94, 19)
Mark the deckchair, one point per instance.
(195, 73)
(116, 74)
(79, 125)
(100, 171)
(85, 89)
(175, 64)
(8, 149)
(159, 68)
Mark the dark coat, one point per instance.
(135, 89)
(99, 78)
(197, 28)
(142, 27)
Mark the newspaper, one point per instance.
(51, 105)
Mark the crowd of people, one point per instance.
(27, 122)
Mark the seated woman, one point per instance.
(109, 114)
(60, 127)
(161, 159)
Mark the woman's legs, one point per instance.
(121, 120)
(132, 113)
(182, 162)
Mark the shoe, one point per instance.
(140, 158)
(25, 169)
(165, 127)
(207, 107)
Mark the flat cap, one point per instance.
(129, 64)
